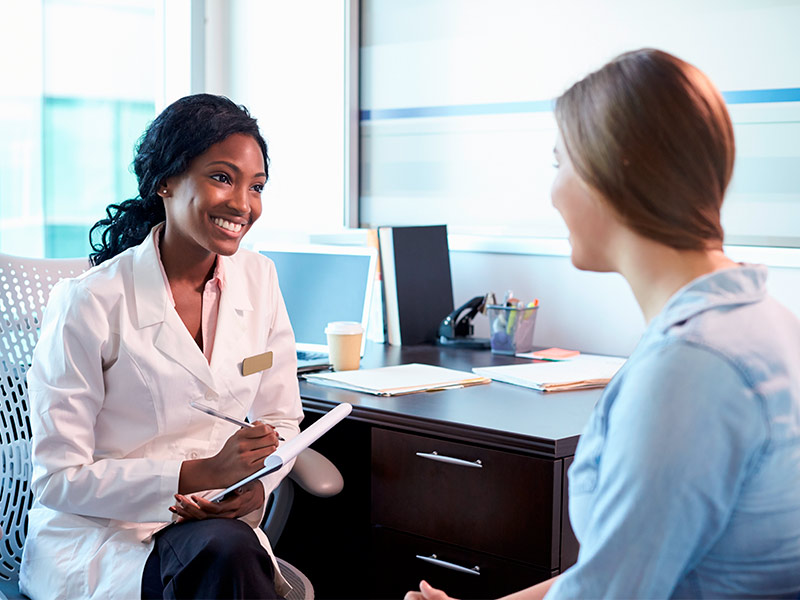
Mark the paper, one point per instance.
(397, 380)
(550, 354)
(584, 371)
(293, 447)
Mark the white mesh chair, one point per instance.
(25, 285)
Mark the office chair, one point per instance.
(25, 285)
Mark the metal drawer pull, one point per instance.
(450, 460)
(476, 570)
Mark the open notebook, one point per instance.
(398, 380)
(584, 371)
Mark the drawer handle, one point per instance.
(476, 570)
(450, 460)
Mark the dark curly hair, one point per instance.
(183, 131)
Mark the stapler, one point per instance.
(456, 329)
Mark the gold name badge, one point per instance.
(257, 363)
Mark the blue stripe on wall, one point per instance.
(458, 110)
(759, 96)
(534, 106)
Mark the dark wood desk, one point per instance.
(501, 513)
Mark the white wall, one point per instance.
(593, 312)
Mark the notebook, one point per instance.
(398, 380)
(320, 284)
(581, 372)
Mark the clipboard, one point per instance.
(292, 448)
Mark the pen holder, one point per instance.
(511, 328)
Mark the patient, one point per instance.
(686, 480)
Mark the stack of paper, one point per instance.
(397, 380)
(584, 371)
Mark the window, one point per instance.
(79, 93)
(456, 121)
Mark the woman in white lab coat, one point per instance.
(121, 460)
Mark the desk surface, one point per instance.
(498, 415)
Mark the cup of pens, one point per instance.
(512, 327)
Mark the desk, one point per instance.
(507, 516)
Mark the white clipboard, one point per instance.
(293, 447)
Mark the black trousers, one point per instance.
(214, 558)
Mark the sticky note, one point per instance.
(554, 354)
(257, 363)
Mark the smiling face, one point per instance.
(212, 204)
(593, 225)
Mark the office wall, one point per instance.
(595, 312)
(456, 122)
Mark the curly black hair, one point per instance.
(183, 131)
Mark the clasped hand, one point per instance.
(243, 454)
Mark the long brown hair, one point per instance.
(651, 133)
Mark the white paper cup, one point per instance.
(344, 344)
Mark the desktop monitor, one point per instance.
(322, 283)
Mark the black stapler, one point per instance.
(456, 329)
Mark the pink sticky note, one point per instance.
(555, 354)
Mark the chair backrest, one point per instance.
(25, 285)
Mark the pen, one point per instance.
(221, 415)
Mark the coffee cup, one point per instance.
(344, 344)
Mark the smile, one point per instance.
(234, 227)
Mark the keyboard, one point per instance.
(310, 355)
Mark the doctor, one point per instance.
(121, 461)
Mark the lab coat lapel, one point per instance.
(154, 309)
(234, 306)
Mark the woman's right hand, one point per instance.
(243, 454)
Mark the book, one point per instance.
(292, 448)
(398, 380)
(417, 285)
(581, 372)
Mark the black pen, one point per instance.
(221, 415)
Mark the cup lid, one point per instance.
(344, 328)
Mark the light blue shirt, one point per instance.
(686, 480)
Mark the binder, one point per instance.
(417, 285)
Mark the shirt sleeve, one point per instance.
(680, 438)
(67, 392)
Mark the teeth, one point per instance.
(234, 227)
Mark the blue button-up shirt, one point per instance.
(686, 481)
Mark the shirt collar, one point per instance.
(726, 288)
(217, 279)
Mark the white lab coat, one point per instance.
(110, 385)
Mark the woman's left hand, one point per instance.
(242, 501)
(427, 592)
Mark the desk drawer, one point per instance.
(487, 500)
(400, 561)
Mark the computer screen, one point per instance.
(321, 284)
